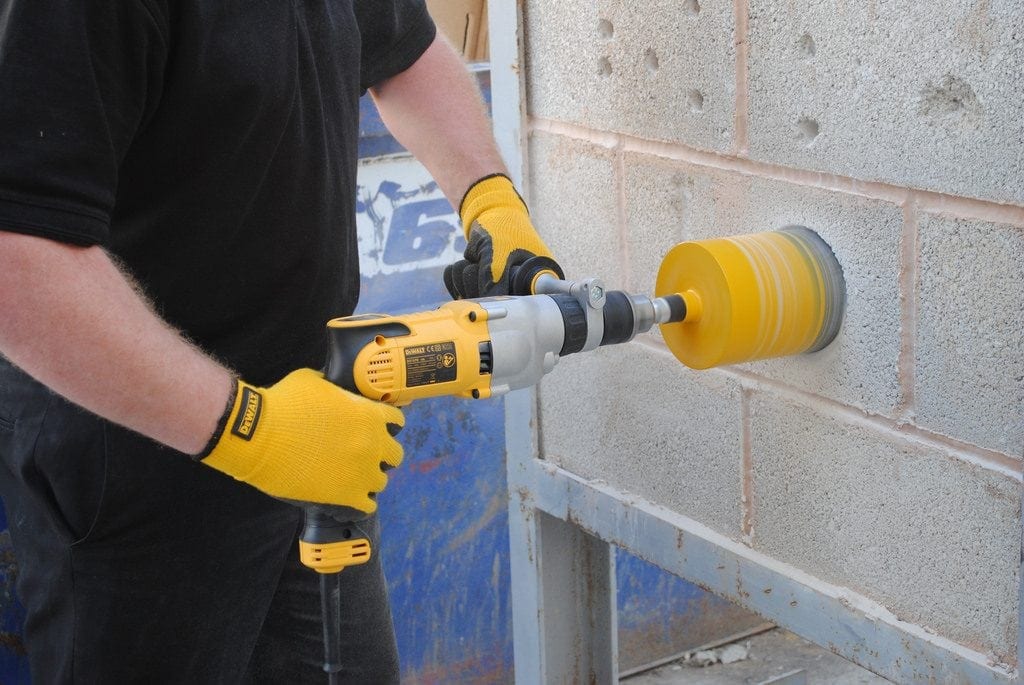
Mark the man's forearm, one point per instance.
(73, 321)
(435, 110)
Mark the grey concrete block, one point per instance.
(659, 209)
(632, 416)
(969, 349)
(573, 204)
(663, 69)
(667, 202)
(923, 94)
(934, 539)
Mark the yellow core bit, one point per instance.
(752, 297)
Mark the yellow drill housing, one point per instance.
(398, 359)
(752, 297)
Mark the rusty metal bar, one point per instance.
(577, 581)
(508, 113)
(564, 605)
(527, 605)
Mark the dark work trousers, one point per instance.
(138, 565)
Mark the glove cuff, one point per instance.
(238, 423)
(221, 423)
(488, 192)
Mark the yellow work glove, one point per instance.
(501, 237)
(306, 439)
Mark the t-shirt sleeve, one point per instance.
(77, 80)
(394, 35)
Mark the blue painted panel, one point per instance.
(661, 615)
(13, 662)
(444, 513)
(649, 598)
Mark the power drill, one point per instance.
(726, 300)
(470, 348)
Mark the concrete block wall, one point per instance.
(890, 462)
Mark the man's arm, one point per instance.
(434, 109)
(72, 320)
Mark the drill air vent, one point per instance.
(486, 358)
(380, 371)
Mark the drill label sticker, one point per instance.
(248, 414)
(429, 364)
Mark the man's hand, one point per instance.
(500, 235)
(306, 439)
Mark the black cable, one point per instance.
(330, 604)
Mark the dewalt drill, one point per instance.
(724, 300)
(470, 348)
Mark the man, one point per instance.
(177, 186)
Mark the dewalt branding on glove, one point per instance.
(248, 415)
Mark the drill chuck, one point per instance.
(626, 316)
(620, 319)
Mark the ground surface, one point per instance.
(762, 657)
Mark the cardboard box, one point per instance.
(464, 24)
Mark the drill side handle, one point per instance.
(523, 278)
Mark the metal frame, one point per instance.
(562, 527)
(834, 617)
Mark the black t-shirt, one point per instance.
(210, 145)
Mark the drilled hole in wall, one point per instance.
(604, 67)
(806, 130)
(695, 100)
(692, 7)
(605, 29)
(953, 95)
(806, 47)
(651, 60)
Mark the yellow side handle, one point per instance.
(333, 557)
